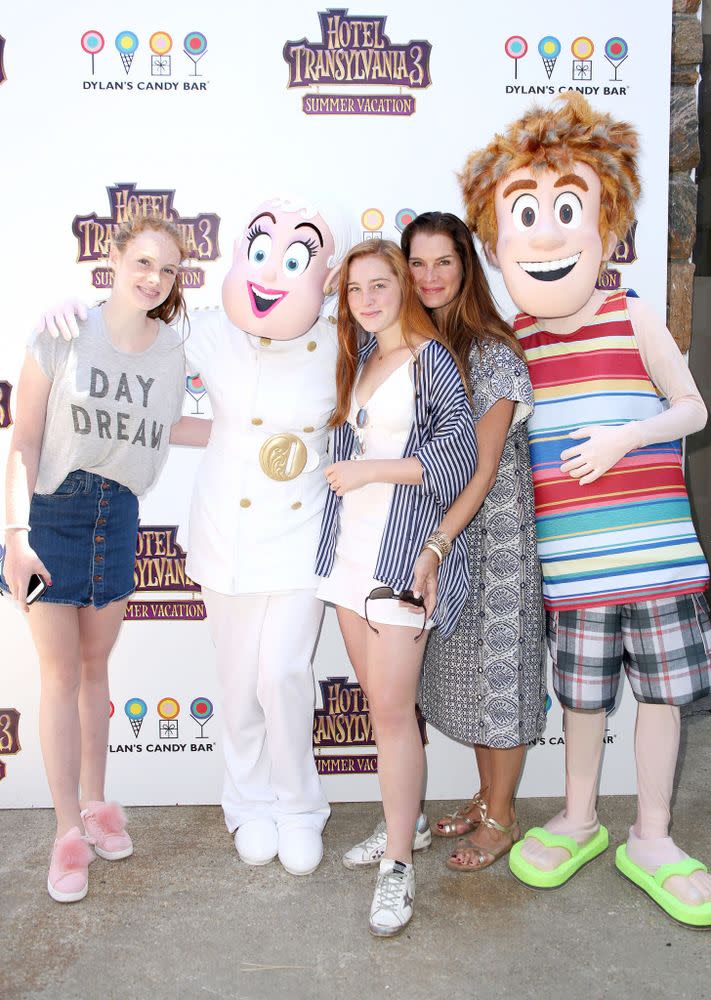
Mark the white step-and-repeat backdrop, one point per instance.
(200, 111)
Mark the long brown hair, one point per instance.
(173, 307)
(472, 317)
(414, 319)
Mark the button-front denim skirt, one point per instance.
(85, 534)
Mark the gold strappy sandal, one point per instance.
(450, 821)
(486, 856)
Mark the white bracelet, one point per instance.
(17, 527)
(433, 548)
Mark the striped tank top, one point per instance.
(627, 537)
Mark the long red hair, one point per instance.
(414, 320)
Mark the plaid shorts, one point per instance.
(664, 646)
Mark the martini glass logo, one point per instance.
(616, 51)
(372, 221)
(126, 45)
(135, 709)
(168, 710)
(201, 711)
(549, 50)
(195, 47)
(516, 48)
(92, 42)
(196, 390)
(160, 44)
(404, 217)
(582, 49)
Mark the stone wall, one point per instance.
(684, 154)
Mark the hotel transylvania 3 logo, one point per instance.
(200, 233)
(159, 577)
(354, 51)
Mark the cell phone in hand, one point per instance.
(35, 588)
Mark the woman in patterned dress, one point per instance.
(485, 685)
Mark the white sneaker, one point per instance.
(391, 909)
(368, 852)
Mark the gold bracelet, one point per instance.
(443, 543)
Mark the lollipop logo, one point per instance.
(135, 709)
(92, 42)
(516, 48)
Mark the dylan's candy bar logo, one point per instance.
(585, 72)
(93, 232)
(354, 51)
(160, 573)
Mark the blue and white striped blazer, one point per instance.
(443, 439)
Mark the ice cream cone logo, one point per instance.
(201, 711)
(549, 50)
(92, 42)
(135, 709)
(372, 221)
(168, 709)
(126, 45)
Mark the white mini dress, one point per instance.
(364, 511)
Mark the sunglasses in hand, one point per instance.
(387, 593)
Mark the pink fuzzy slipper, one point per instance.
(105, 825)
(68, 879)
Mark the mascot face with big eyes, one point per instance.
(549, 246)
(275, 287)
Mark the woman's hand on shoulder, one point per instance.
(343, 477)
(20, 562)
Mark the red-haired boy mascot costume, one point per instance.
(623, 571)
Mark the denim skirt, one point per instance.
(85, 533)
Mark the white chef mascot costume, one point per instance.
(269, 369)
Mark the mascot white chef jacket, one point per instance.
(269, 370)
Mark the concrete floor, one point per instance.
(184, 919)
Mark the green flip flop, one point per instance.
(580, 855)
(686, 914)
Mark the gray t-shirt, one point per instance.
(108, 412)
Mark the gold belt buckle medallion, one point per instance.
(283, 457)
